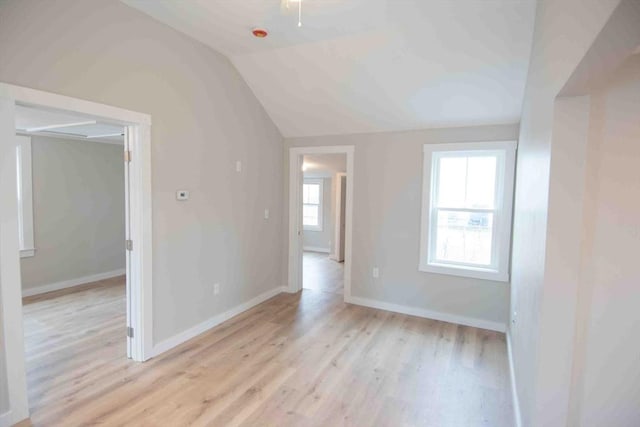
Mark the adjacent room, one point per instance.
(71, 181)
(319, 213)
(324, 193)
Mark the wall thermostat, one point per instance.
(182, 195)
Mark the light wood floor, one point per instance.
(305, 359)
(321, 273)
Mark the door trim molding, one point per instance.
(138, 127)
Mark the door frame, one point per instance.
(139, 261)
(296, 155)
(337, 228)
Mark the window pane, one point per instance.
(305, 193)
(481, 182)
(467, 182)
(310, 215)
(452, 182)
(313, 194)
(464, 237)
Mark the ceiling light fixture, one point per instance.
(259, 33)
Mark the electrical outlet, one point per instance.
(216, 288)
(182, 195)
(514, 317)
(266, 214)
(238, 166)
(376, 272)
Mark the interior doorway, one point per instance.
(72, 229)
(27, 113)
(320, 225)
(323, 222)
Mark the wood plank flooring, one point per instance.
(322, 273)
(303, 359)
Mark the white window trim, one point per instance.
(318, 227)
(502, 222)
(25, 189)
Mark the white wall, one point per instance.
(607, 368)
(323, 239)
(78, 206)
(205, 118)
(4, 395)
(386, 224)
(563, 33)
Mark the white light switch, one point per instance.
(182, 195)
(238, 166)
(266, 214)
(376, 272)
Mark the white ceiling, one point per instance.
(324, 165)
(369, 65)
(33, 120)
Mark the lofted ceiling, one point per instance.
(369, 65)
(41, 121)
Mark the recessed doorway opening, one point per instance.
(107, 155)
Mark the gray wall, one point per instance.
(386, 223)
(323, 239)
(204, 119)
(4, 394)
(78, 210)
(608, 389)
(564, 31)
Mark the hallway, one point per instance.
(320, 273)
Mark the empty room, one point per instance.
(320, 213)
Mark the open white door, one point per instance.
(295, 223)
(128, 240)
(340, 219)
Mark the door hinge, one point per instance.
(129, 331)
(127, 156)
(129, 245)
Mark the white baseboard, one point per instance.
(435, 315)
(317, 249)
(71, 283)
(5, 419)
(514, 390)
(198, 329)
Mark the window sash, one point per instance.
(319, 206)
(433, 241)
(498, 269)
(317, 217)
(435, 205)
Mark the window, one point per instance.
(466, 209)
(25, 200)
(312, 204)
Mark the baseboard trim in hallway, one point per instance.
(71, 283)
(428, 314)
(214, 321)
(514, 389)
(317, 249)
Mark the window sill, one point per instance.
(475, 273)
(307, 228)
(26, 253)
